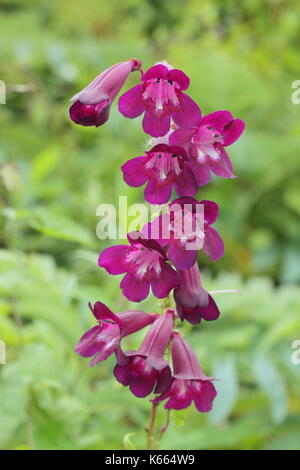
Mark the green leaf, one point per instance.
(127, 442)
(268, 377)
(61, 227)
(227, 388)
(45, 162)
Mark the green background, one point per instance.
(240, 55)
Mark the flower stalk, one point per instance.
(185, 149)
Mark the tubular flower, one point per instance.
(162, 167)
(193, 302)
(146, 265)
(146, 369)
(104, 339)
(186, 228)
(91, 105)
(160, 96)
(189, 384)
(205, 144)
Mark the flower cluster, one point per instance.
(186, 148)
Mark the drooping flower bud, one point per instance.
(91, 105)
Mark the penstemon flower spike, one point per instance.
(184, 150)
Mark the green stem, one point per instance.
(150, 428)
(164, 428)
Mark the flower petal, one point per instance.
(135, 320)
(201, 172)
(222, 166)
(90, 115)
(157, 194)
(186, 185)
(217, 120)
(232, 131)
(182, 137)
(123, 373)
(113, 259)
(87, 345)
(136, 237)
(167, 281)
(134, 289)
(213, 244)
(211, 211)
(203, 399)
(102, 312)
(141, 386)
(180, 257)
(131, 103)
(180, 78)
(156, 71)
(192, 315)
(156, 126)
(158, 229)
(133, 172)
(105, 351)
(188, 114)
(211, 312)
(164, 381)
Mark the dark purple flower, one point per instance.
(104, 339)
(189, 384)
(193, 302)
(160, 96)
(163, 166)
(91, 105)
(185, 229)
(146, 369)
(146, 265)
(205, 144)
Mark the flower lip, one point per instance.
(185, 200)
(211, 208)
(175, 150)
(157, 363)
(102, 313)
(160, 71)
(136, 238)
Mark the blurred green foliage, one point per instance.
(241, 56)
